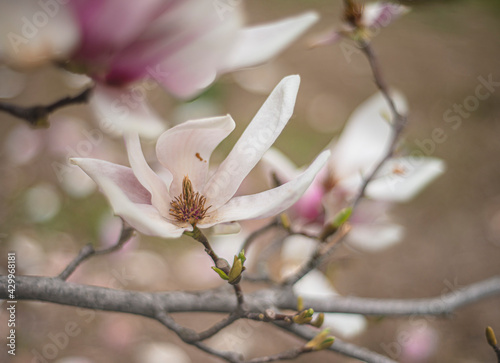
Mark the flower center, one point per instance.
(189, 206)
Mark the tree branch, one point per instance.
(88, 251)
(37, 115)
(347, 349)
(150, 304)
(398, 123)
(219, 300)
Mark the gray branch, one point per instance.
(156, 305)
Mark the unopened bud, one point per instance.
(320, 341)
(304, 317)
(490, 337)
(319, 320)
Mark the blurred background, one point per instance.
(436, 55)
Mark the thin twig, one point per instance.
(346, 349)
(398, 123)
(88, 251)
(320, 254)
(190, 337)
(37, 115)
(257, 233)
(288, 354)
(219, 263)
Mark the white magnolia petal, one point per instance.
(298, 249)
(365, 138)
(186, 149)
(275, 162)
(146, 176)
(403, 178)
(260, 43)
(345, 325)
(122, 110)
(120, 175)
(253, 143)
(315, 285)
(374, 237)
(382, 14)
(143, 217)
(270, 202)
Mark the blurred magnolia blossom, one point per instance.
(363, 143)
(361, 20)
(182, 44)
(182, 194)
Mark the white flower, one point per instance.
(183, 194)
(363, 143)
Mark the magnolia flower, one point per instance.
(183, 194)
(182, 44)
(362, 20)
(363, 143)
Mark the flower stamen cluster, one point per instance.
(189, 206)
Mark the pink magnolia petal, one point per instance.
(253, 143)
(182, 49)
(327, 38)
(100, 20)
(382, 14)
(185, 149)
(122, 110)
(118, 174)
(258, 44)
(146, 176)
(270, 202)
(143, 217)
(365, 138)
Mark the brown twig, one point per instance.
(37, 115)
(219, 263)
(88, 251)
(320, 254)
(398, 123)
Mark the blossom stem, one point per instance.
(219, 262)
(200, 237)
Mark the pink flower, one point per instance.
(183, 194)
(182, 44)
